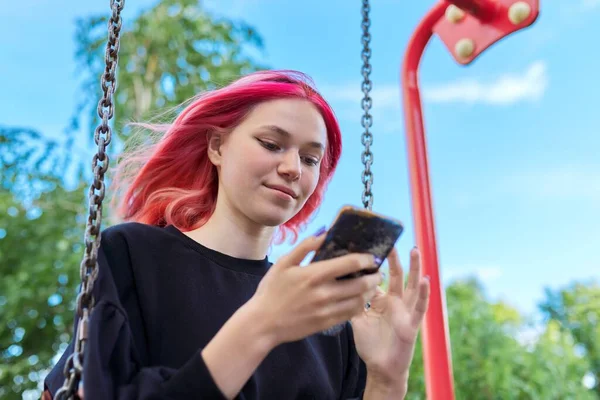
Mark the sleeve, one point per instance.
(356, 371)
(114, 363)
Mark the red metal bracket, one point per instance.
(469, 27)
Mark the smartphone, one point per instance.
(357, 230)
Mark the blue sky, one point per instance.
(512, 138)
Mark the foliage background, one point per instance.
(172, 51)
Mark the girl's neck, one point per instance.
(233, 234)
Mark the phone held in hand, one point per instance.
(356, 230)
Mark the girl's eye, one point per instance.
(268, 145)
(310, 161)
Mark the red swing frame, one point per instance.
(484, 23)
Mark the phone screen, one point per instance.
(360, 231)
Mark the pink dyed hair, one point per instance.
(172, 182)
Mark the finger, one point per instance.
(299, 253)
(414, 275)
(378, 300)
(343, 310)
(364, 286)
(376, 293)
(396, 287)
(370, 295)
(422, 303)
(343, 265)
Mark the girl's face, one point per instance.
(269, 165)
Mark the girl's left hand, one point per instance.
(386, 333)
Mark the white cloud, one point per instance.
(386, 95)
(590, 4)
(559, 182)
(530, 85)
(575, 182)
(386, 111)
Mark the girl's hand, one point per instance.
(299, 301)
(386, 333)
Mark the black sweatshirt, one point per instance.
(161, 297)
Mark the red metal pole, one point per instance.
(485, 23)
(436, 345)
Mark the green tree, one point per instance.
(489, 359)
(168, 53)
(576, 310)
(555, 368)
(40, 235)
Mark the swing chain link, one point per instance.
(367, 102)
(73, 370)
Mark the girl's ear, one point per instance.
(214, 148)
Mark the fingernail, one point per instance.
(320, 231)
(378, 261)
(427, 278)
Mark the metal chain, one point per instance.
(367, 102)
(88, 269)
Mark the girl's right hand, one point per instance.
(296, 302)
